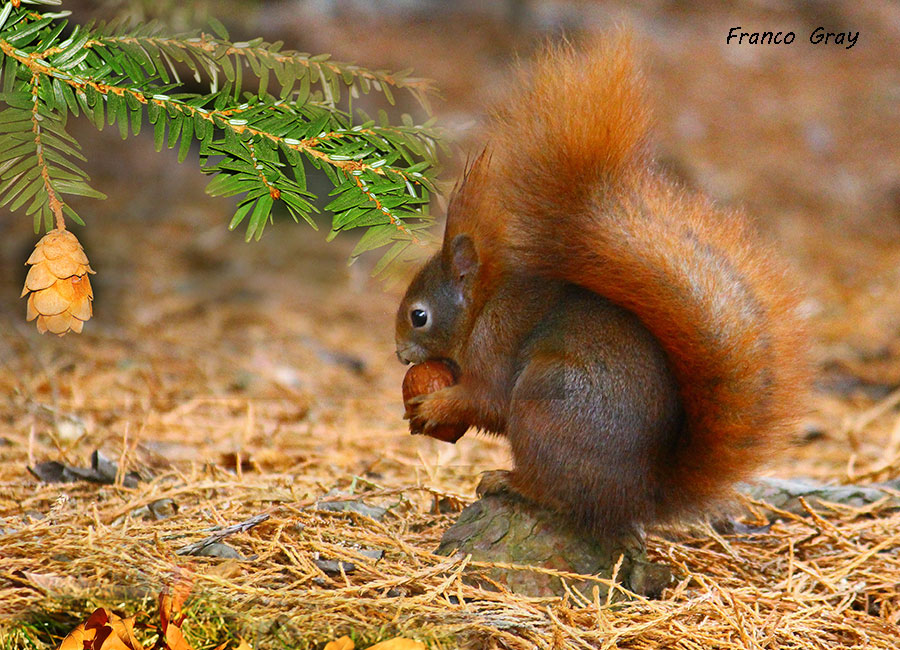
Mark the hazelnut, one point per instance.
(428, 377)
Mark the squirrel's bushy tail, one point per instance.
(569, 181)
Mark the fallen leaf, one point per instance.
(77, 639)
(101, 631)
(53, 584)
(107, 639)
(124, 628)
(175, 639)
(398, 643)
(83, 635)
(98, 618)
(344, 643)
(227, 569)
(171, 599)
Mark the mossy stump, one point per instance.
(506, 529)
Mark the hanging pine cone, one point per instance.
(58, 288)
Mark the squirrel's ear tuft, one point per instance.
(463, 261)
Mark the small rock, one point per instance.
(372, 512)
(335, 566)
(219, 549)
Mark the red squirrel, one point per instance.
(637, 345)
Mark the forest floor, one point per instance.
(260, 379)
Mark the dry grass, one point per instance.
(811, 584)
(256, 379)
(237, 406)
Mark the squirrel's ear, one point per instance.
(463, 262)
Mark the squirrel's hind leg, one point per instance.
(586, 431)
(565, 461)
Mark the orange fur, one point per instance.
(567, 190)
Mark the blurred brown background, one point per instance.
(191, 325)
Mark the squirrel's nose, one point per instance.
(401, 355)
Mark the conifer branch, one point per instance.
(204, 47)
(256, 145)
(52, 198)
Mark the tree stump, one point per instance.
(506, 529)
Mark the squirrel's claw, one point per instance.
(494, 482)
(417, 400)
(419, 423)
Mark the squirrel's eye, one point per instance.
(418, 317)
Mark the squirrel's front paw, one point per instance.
(420, 413)
(494, 482)
(433, 415)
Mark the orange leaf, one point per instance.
(165, 609)
(98, 618)
(74, 640)
(171, 599)
(398, 643)
(83, 635)
(226, 569)
(124, 628)
(344, 643)
(175, 639)
(78, 639)
(107, 639)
